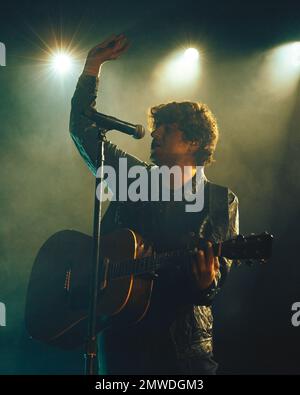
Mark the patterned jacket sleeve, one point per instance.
(205, 297)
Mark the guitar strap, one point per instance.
(218, 211)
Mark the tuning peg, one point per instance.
(263, 261)
(265, 233)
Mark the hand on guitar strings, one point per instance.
(204, 268)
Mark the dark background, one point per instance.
(46, 187)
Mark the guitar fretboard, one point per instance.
(144, 265)
(258, 247)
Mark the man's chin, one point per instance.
(153, 158)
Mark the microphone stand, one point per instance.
(91, 350)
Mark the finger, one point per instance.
(116, 54)
(195, 268)
(118, 42)
(102, 44)
(112, 42)
(121, 35)
(123, 48)
(216, 263)
(209, 255)
(122, 42)
(107, 41)
(148, 250)
(201, 264)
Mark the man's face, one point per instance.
(168, 146)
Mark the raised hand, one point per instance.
(110, 49)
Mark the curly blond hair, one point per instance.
(195, 120)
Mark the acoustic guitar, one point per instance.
(58, 290)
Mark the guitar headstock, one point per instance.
(253, 247)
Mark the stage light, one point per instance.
(295, 54)
(61, 62)
(288, 56)
(183, 68)
(282, 67)
(191, 54)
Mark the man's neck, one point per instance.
(188, 171)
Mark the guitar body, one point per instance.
(58, 291)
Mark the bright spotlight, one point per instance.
(184, 67)
(61, 63)
(288, 56)
(282, 67)
(191, 54)
(295, 54)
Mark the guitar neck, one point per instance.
(253, 247)
(151, 263)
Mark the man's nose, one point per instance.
(155, 134)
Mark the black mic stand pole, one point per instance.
(91, 351)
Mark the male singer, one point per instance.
(175, 336)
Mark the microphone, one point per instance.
(109, 123)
